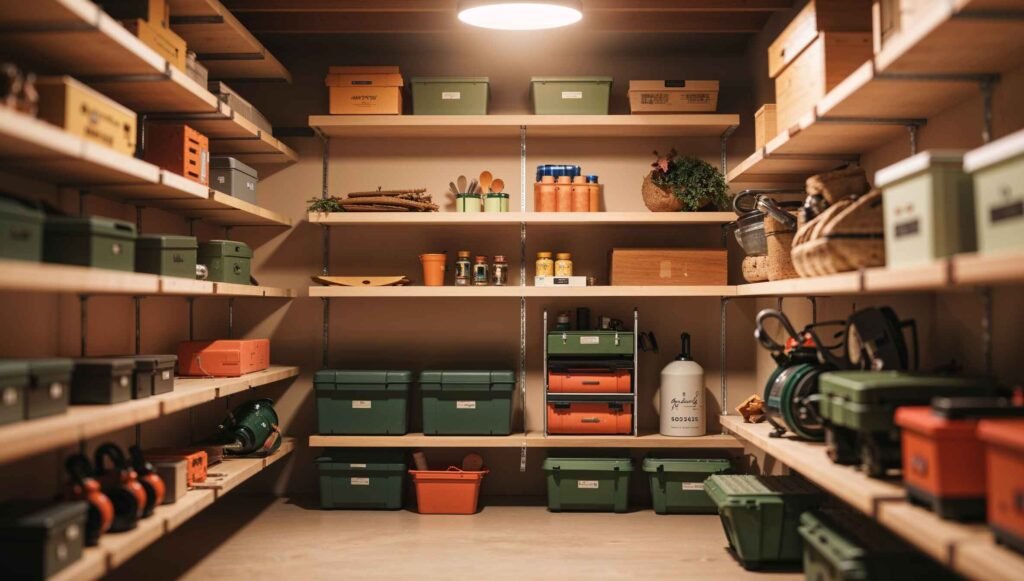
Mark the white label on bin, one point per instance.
(451, 96)
(465, 405)
(588, 484)
(693, 486)
(56, 390)
(165, 375)
(357, 465)
(590, 340)
(361, 404)
(360, 481)
(575, 95)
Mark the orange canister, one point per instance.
(563, 194)
(580, 194)
(595, 193)
(433, 268)
(1004, 459)
(548, 195)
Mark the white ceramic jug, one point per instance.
(682, 398)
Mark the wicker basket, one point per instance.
(755, 268)
(847, 236)
(659, 200)
(839, 184)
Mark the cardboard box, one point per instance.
(365, 90)
(81, 111)
(174, 473)
(668, 267)
(673, 96)
(816, 17)
(765, 125)
(178, 148)
(163, 40)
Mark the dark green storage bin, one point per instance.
(362, 402)
(468, 403)
(39, 539)
(21, 231)
(677, 486)
(591, 343)
(363, 479)
(100, 380)
(227, 261)
(14, 381)
(90, 241)
(450, 95)
(153, 375)
(166, 255)
(49, 388)
(761, 516)
(588, 484)
(570, 95)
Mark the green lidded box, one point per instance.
(14, 381)
(49, 388)
(166, 255)
(588, 484)
(450, 95)
(468, 403)
(362, 479)
(39, 539)
(362, 402)
(99, 380)
(570, 95)
(998, 172)
(761, 515)
(591, 343)
(90, 241)
(226, 260)
(21, 231)
(677, 486)
(153, 375)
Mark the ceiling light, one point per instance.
(527, 15)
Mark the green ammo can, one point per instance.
(166, 255)
(450, 95)
(570, 95)
(226, 260)
(677, 486)
(590, 343)
(588, 484)
(21, 231)
(761, 515)
(14, 381)
(90, 241)
(39, 538)
(362, 402)
(363, 479)
(470, 403)
(49, 388)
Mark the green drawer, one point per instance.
(166, 255)
(49, 388)
(362, 479)
(588, 484)
(21, 231)
(761, 516)
(591, 343)
(14, 380)
(90, 241)
(450, 95)
(677, 486)
(570, 95)
(227, 261)
(469, 403)
(362, 402)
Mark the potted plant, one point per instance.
(684, 184)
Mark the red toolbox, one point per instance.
(588, 417)
(1004, 457)
(223, 358)
(590, 381)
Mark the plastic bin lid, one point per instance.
(226, 162)
(51, 365)
(36, 518)
(866, 386)
(91, 225)
(848, 536)
(917, 164)
(922, 420)
(590, 464)
(381, 460)
(14, 369)
(14, 208)
(372, 376)
(1003, 432)
(167, 241)
(596, 79)
(231, 248)
(116, 364)
(697, 465)
(751, 485)
(998, 151)
(958, 408)
(452, 377)
(150, 362)
(430, 80)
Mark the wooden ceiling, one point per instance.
(438, 16)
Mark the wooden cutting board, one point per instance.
(361, 280)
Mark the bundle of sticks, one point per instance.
(416, 200)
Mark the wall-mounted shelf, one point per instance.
(491, 292)
(784, 169)
(529, 440)
(516, 218)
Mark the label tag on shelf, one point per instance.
(465, 405)
(588, 484)
(689, 486)
(574, 95)
(361, 404)
(360, 481)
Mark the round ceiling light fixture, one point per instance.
(525, 15)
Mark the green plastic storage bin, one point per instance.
(362, 402)
(363, 479)
(14, 380)
(469, 403)
(450, 95)
(570, 95)
(677, 486)
(591, 343)
(226, 260)
(21, 231)
(166, 255)
(90, 241)
(49, 387)
(761, 516)
(588, 484)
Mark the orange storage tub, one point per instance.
(584, 381)
(451, 491)
(590, 418)
(1004, 457)
(223, 358)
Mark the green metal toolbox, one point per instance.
(589, 484)
(234, 178)
(761, 515)
(49, 388)
(591, 343)
(21, 231)
(362, 402)
(90, 241)
(570, 95)
(167, 255)
(14, 381)
(39, 539)
(677, 486)
(471, 403)
(227, 260)
(102, 380)
(153, 375)
(998, 172)
(362, 479)
(450, 95)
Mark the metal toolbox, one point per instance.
(49, 387)
(21, 231)
(1004, 459)
(591, 343)
(174, 474)
(223, 358)
(154, 374)
(240, 106)
(81, 111)
(233, 177)
(586, 416)
(227, 261)
(14, 380)
(677, 485)
(365, 90)
(673, 96)
(668, 267)
(570, 95)
(998, 172)
(162, 40)
(590, 381)
(929, 208)
(39, 539)
(362, 402)
(363, 479)
(761, 516)
(590, 484)
(166, 255)
(450, 95)
(467, 402)
(90, 241)
(102, 380)
(178, 148)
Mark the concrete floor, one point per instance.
(259, 537)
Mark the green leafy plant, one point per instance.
(697, 184)
(325, 205)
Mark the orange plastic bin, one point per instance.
(451, 491)
(1004, 458)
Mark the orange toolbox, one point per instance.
(223, 358)
(178, 148)
(196, 463)
(943, 458)
(590, 417)
(590, 381)
(1004, 456)
(452, 491)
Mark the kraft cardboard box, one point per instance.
(365, 90)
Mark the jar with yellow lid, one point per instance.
(545, 266)
(563, 264)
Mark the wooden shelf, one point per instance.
(784, 169)
(837, 284)
(539, 126)
(516, 218)
(414, 292)
(529, 440)
(988, 269)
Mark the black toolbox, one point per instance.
(102, 380)
(39, 539)
(13, 382)
(154, 374)
(49, 388)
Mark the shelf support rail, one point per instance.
(724, 302)
(724, 142)
(522, 286)
(986, 329)
(325, 148)
(987, 89)
(83, 307)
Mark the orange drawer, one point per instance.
(1004, 457)
(589, 382)
(224, 358)
(590, 418)
(195, 461)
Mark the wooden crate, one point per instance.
(765, 124)
(668, 267)
(891, 18)
(816, 17)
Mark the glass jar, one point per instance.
(545, 266)
(563, 266)
(500, 275)
(463, 268)
(481, 271)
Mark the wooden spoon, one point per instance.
(498, 185)
(463, 183)
(454, 189)
(485, 181)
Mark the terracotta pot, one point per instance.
(434, 266)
